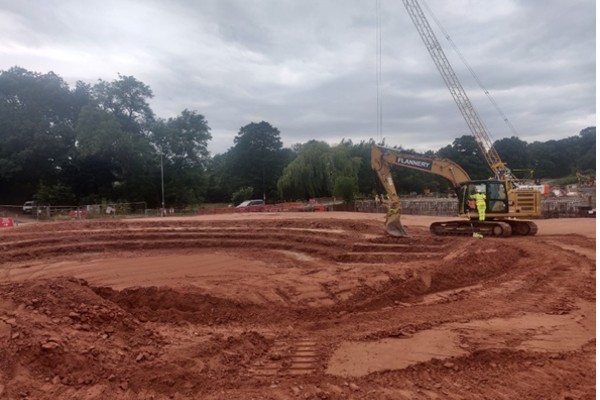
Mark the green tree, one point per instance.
(514, 153)
(57, 194)
(554, 158)
(220, 183)
(585, 153)
(367, 179)
(126, 99)
(37, 113)
(308, 175)
(342, 163)
(101, 143)
(314, 172)
(99, 134)
(124, 147)
(345, 187)
(257, 158)
(465, 152)
(182, 142)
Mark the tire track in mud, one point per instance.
(300, 357)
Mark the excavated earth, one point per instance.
(295, 306)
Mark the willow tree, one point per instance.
(316, 170)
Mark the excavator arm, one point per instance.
(383, 158)
(393, 226)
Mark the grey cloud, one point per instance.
(308, 67)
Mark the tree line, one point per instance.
(103, 143)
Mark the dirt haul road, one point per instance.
(294, 306)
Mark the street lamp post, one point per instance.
(162, 186)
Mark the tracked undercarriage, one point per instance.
(497, 228)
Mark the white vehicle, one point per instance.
(249, 203)
(28, 207)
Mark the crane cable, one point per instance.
(379, 115)
(464, 60)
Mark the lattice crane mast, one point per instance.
(465, 106)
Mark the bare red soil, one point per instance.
(295, 306)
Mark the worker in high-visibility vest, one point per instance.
(480, 198)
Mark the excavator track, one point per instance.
(522, 228)
(467, 228)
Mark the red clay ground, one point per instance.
(295, 306)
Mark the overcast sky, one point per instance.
(308, 67)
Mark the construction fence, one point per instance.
(565, 207)
(551, 207)
(90, 211)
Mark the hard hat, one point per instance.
(479, 190)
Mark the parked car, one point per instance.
(249, 203)
(28, 207)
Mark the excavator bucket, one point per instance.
(394, 227)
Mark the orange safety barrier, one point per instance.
(6, 222)
(78, 213)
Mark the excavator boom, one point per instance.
(439, 166)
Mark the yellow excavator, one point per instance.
(507, 206)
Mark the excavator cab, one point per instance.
(495, 193)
